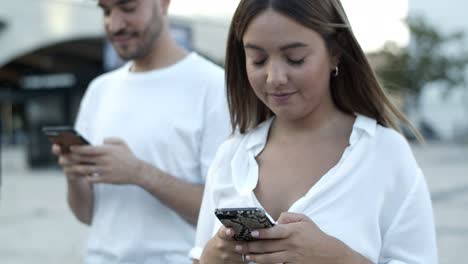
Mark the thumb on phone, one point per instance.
(56, 150)
(288, 218)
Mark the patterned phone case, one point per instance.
(243, 221)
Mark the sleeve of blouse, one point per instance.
(217, 126)
(410, 239)
(206, 217)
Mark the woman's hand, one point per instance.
(222, 249)
(296, 239)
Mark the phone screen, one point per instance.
(243, 221)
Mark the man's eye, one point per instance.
(128, 8)
(106, 12)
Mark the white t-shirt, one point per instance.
(175, 119)
(375, 199)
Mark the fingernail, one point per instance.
(228, 232)
(255, 234)
(239, 248)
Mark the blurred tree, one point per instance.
(430, 56)
(2, 25)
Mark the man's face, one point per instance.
(133, 26)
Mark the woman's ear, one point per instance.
(335, 48)
(334, 61)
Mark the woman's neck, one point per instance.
(317, 126)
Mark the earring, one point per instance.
(336, 71)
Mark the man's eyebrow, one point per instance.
(282, 48)
(122, 2)
(116, 3)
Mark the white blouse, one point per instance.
(375, 199)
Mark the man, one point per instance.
(154, 125)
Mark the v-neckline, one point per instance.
(315, 188)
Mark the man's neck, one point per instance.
(165, 52)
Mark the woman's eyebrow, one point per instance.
(293, 46)
(254, 47)
(282, 48)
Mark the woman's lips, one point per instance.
(282, 97)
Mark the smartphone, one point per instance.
(64, 136)
(243, 221)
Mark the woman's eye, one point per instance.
(296, 62)
(259, 62)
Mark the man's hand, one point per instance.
(70, 164)
(112, 163)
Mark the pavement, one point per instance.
(36, 226)
(446, 169)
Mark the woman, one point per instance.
(316, 146)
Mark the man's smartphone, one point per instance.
(243, 221)
(64, 136)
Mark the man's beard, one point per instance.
(147, 40)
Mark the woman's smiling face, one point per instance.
(288, 65)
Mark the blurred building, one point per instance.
(52, 49)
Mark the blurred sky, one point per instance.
(374, 21)
(447, 15)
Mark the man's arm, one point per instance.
(183, 197)
(114, 163)
(80, 191)
(80, 199)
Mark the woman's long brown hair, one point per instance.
(355, 89)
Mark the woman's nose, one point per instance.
(276, 74)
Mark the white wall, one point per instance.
(37, 23)
(32, 24)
